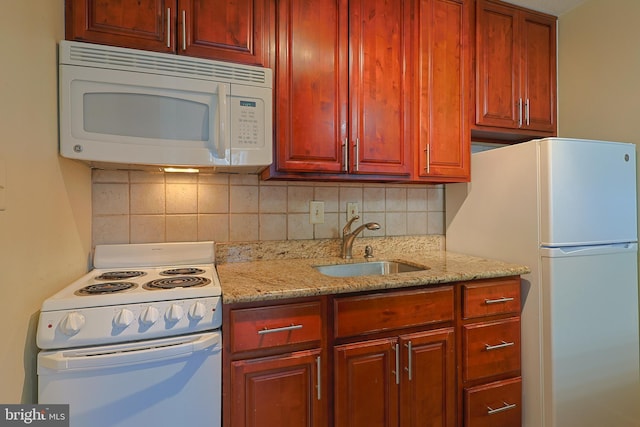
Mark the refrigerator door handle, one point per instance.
(553, 252)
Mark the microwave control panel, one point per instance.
(247, 124)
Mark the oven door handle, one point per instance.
(127, 354)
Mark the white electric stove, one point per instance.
(137, 340)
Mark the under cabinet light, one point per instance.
(181, 170)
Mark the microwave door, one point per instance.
(133, 118)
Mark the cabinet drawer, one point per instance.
(497, 404)
(491, 348)
(394, 310)
(489, 298)
(273, 326)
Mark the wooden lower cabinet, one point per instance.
(426, 356)
(497, 404)
(279, 391)
(406, 381)
(489, 382)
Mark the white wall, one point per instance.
(45, 230)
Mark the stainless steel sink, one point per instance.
(373, 268)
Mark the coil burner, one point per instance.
(120, 275)
(105, 288)
(176, 282)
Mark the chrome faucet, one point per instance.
(348, 236)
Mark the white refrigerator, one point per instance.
(567, 209)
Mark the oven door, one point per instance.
(170, 381)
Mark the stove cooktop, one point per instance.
(103, 287)
(136, 292)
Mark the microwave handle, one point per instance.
(222, 117)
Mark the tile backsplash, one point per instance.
(141, 207)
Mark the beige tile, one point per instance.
(147, 228)
(329, 229)
(110, 229)
(350, 194)
(213, 198)
(396, 223)
(243, 227)
(147, 198)
(182, 198)
(109, 176)
(329, 195)
(213, 227)
(374, 199)
(435, 199)
(181, 178)
(396, 199)
(244, 179)
(213, 178)
(417, 199)
(273, 226)
(417, 223)
(378, 217)
(243, 199)
(146, 177)
(298, 199)
(273, 199)
(435, 223)
(110, 199)
(298, 227)
(182, 228)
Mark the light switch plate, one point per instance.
(353, 209)
(316, 212)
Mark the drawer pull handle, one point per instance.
(282, 329)
(506, 407)
(498, 301)
(498, 346)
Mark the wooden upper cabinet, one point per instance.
(515, 68)
(443, 88)
(232, 30)
(311, 69)
(342, 93)
(141, 24)
(380, 86)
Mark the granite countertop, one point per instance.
(264, 277)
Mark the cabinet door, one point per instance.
(497, 66)
(366, 384)
(140, 24)
(539, 72)
(380, 86)
(311, 85)
(231, 30)
(428, 390)
(281, 391)
(443, 88)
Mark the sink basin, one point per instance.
(373, 268)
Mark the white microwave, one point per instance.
(133, 109)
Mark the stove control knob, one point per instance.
(72, 323)
(197, 311)
(174, 313)
(123, 318)
(149, 316)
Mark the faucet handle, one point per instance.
(347, 227)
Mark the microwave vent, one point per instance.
(90, 55)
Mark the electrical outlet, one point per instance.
(316, 212)
(353, 209)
